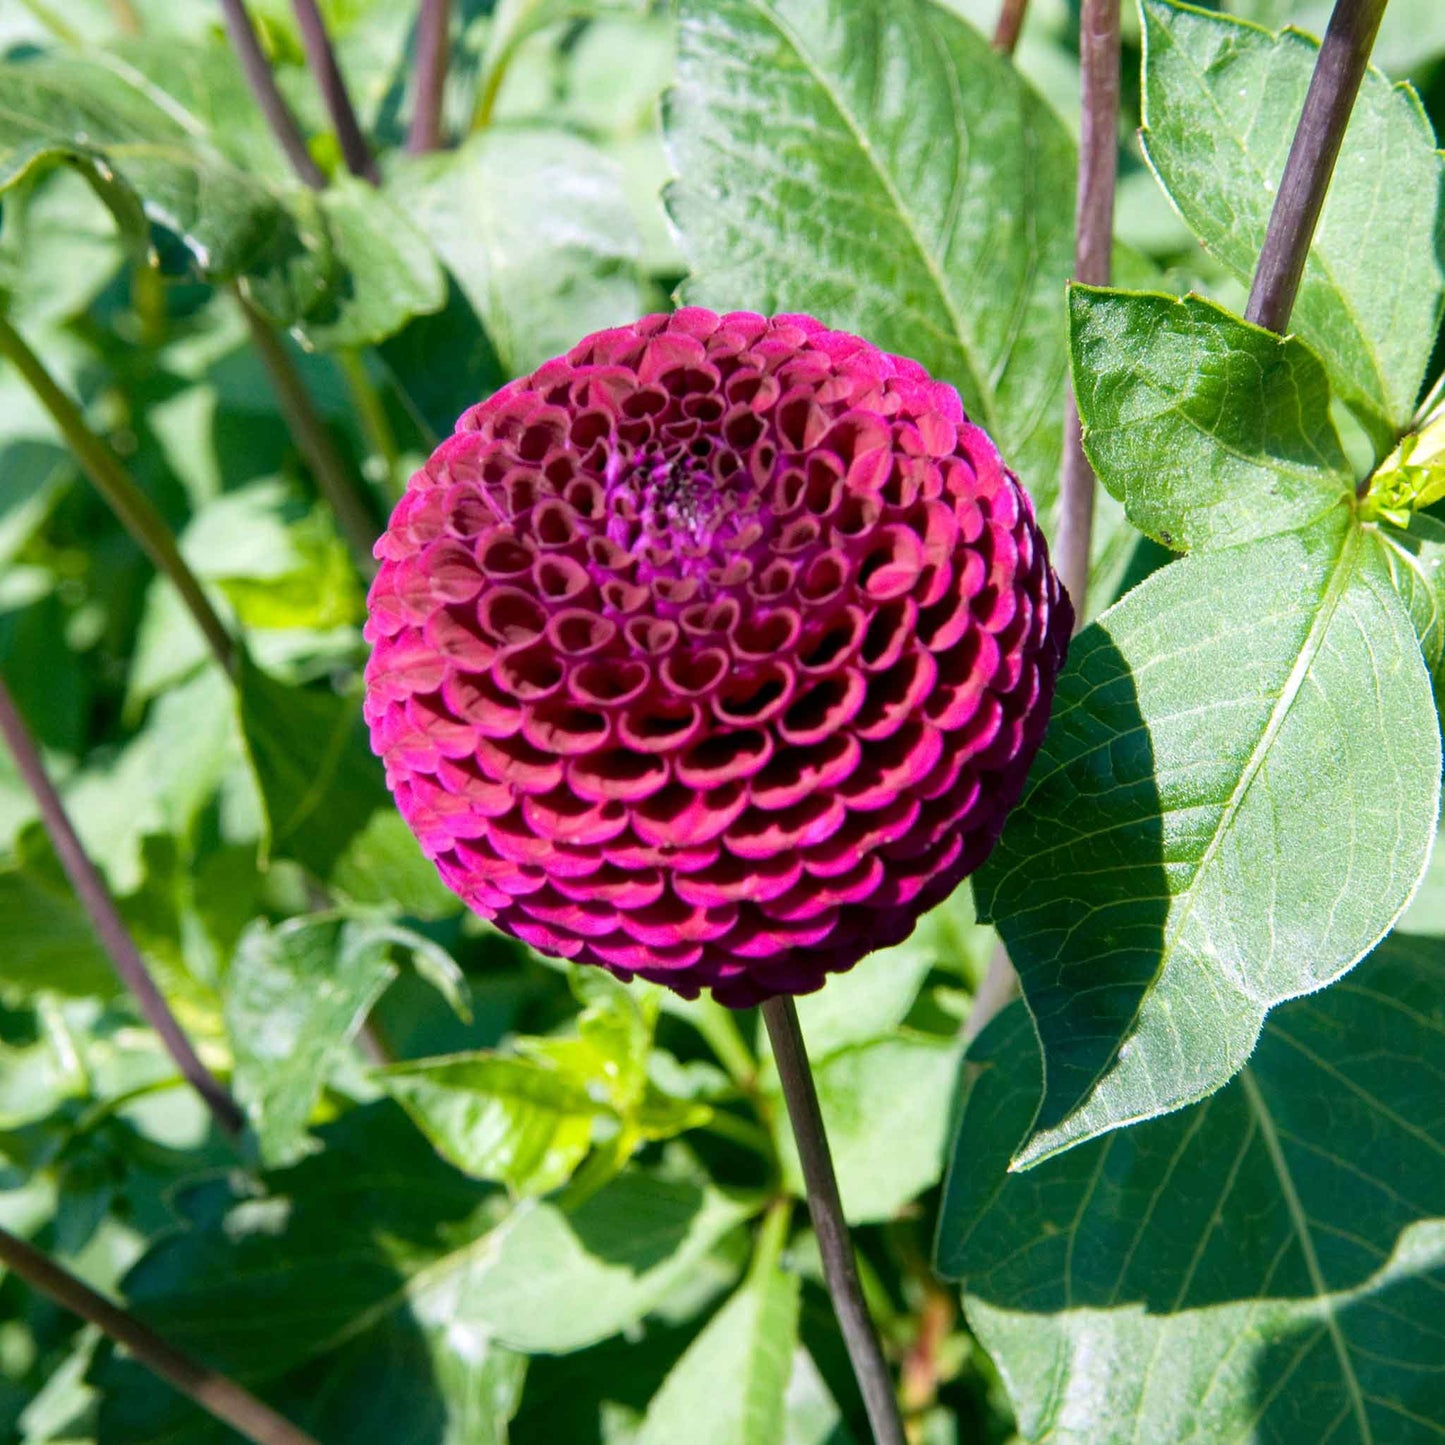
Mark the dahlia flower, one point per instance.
(715, 652)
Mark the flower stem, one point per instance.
(835, 1245)
(334, 479)
(1010, 22)
(136, 511)
(322, 60)
(214, 1393)
(105, 917)
(1343, 58)
(371, 412)
(262, 85)
(1093, 242)
(432, 33)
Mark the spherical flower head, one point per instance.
(713, 652)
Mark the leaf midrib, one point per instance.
(1300, 1224)
(961, 336)
(1334, 591)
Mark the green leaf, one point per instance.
(384, 867)
(562, 1280)
(534, 226)
(295, 996)
(393, 274)
(1209, 430)
(46, 938)
(1221, 101)
(152, 163)
(527, 1119)
(879, 166)
(511, 1120)
(886, 1108)
(342, 1292)
(740, 1364)
(314, 766)
(1234, 802)
(1266, 1265)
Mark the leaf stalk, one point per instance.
(321, 58)
(334, 478)
(105, 917)
(136, 511)
(262, 85)
(215, 1393)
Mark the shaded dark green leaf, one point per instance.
(1264, 1265)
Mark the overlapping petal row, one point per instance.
(714, 652)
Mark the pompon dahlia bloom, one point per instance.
(714, 652)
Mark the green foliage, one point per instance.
(1220, 103)
(1243, 715)
(1257, 1266)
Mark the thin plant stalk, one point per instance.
(136, 511)
(371, 412)
(321, 59)
(1093, 243)
(1010, 23)
(215, 1393)
(1344, 56)
(334, 478)
(95, 898)
(262, 85)
(432, 35)
(835, 1244)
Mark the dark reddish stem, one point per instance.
(215, 1393)
(1341, 66)
(432, 34)
(262, 85)
(1093, 241)
(1093, 244)
(105, 917)
(835, 1244)
(322, 60)
(1010, 22)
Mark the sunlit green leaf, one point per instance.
(1221, 101)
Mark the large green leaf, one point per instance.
(1209, 430)
(392, 273)
(375, 1294)
(340, 1293)
(534, 226)
(1264, 1266)
(875, 163)
(740, 1364)
(1221, 101)
(1234, 802)
(169, 138)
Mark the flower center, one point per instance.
(671, 511)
